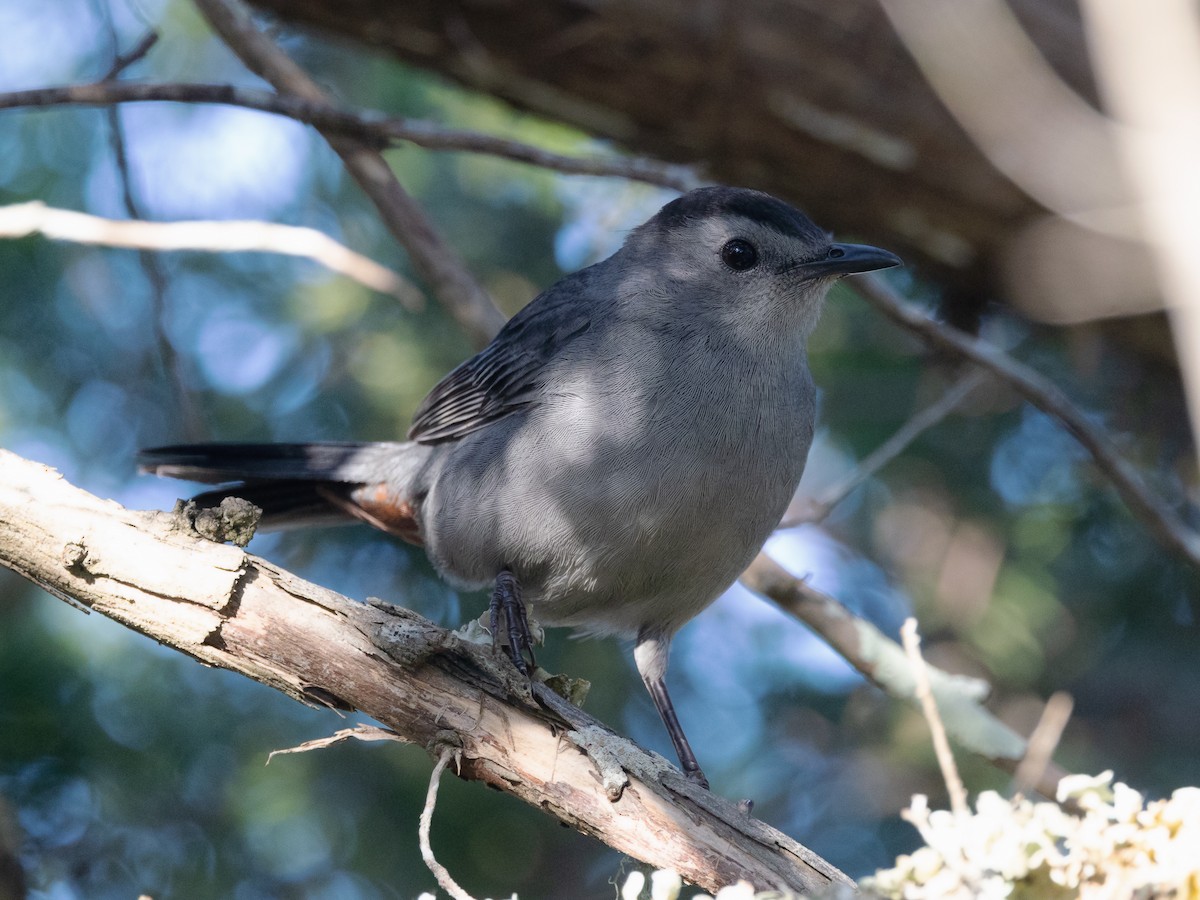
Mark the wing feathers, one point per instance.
(505, 375)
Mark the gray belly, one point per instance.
(610, 530)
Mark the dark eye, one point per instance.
(739, 255)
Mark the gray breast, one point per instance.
(621, 501)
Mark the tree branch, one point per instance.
(122, 61)
(883, 662)
(227, 608)
(436, 261)
(224, 236)
(371, 128)
(1158, 518)
(815, 509)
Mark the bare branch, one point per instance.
(929, 707)
(230, 609)
(882, 661)
(1149, 70)
(373, 129)
(436, 261)
(228, 236)
(817, 508)
(1158, 518)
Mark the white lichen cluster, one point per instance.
(667, 885)
(1115, 847)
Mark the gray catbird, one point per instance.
(618, 454)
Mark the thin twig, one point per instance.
(372, 128)
(229, 236)
(437, 262)
(882, 661)
(138, 52)
(817, 508)
(1159, 518)
(444, 880)
(156, 277)
(941, 746)
(1043, 741)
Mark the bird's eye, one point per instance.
(739, 255)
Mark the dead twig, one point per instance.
(816, 509)
(445, 881)
(361, 732)
(1043, 742)
(941, 747)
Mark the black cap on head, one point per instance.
(752, 205)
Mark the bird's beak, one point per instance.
(850, 259)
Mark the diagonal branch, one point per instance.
(136, 54)
(226, 608)
(1159, 518)
(436, 261)
(815, 509)
(882, 660)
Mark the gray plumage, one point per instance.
(624, 446)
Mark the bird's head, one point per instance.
(745, 258)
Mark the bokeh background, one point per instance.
(126, 768)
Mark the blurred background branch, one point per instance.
(815, 509)
(371, 128)
(1149, 71)
(439, 264)
(1159, 518)
(152, 267)
(882, 660)
(227, 236)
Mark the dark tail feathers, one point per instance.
(294, 484)
(220, 463)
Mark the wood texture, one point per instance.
(228, 608)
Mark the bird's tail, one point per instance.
(304, 484)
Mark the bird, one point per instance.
(620, 451)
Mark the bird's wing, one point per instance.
(505, 375)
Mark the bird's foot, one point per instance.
(506, 603)
(696, 777)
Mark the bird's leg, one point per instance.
(651, 653)
(506, 601)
